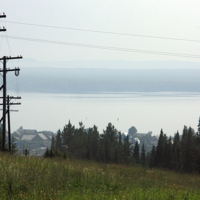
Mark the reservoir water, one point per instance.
(146, 111)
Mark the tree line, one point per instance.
(109, 147)
(180, 153)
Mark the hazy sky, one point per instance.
(161, 18)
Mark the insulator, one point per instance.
(16, 72)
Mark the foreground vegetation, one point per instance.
(40, 178)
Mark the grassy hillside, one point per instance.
(38, 178)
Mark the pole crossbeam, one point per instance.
(2, 29)
(11, 97)
(1, 104)
(12, 111)
(3, 16)
(8, 70)
(10, 58)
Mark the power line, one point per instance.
(105, 47)
(106, 32)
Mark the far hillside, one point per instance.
(88, 80)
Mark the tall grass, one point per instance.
(39, 178)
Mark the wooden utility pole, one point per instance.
(5, 70)
(8, 111)
(8, 103)
(6, 99)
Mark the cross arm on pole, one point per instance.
(3, 16)
(11, 104)
(10, 58)
(2, 29)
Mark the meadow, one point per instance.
(41, 178)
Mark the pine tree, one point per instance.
(160, 150)
(101, 150)
(199, 126)
(110, 142)
(78, 146)
(184, 148)
(67, 135)
(120, 148)
(143, 155)
(152, 159)
(58, 142)
(126, 150)
(89, 153)
(167, 154)
(93, 144)
(136, 153)
(47, 153)
(187, 150)
(176, 152)
(53, 144)
(197, 152)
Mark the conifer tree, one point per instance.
(136, 153)
(58, 141)
(53, 144)
(184, 148)
(176, 152)
(160, 150)
(78, 144)
(120, 148)
(95, 142)
(143, 155)
(126, 150)
(167, 154)
(152, 159)
(110, 142)
(199, 126)
(187, 150)
(101, 150)
(67, 135)
(197, 153)
(47, 153)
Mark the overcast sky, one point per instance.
(160, 18)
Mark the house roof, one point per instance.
(27, 137)
(17, 133)
(29, 131)
(17, 138)
(49, 137)
(42, 136)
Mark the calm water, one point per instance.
(145, 111)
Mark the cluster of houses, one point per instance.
(144, 138)
(36, 142)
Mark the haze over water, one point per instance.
(146, 111)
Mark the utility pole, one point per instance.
(6, 99)
(8, 111)
(5, 70)
(9, 98)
